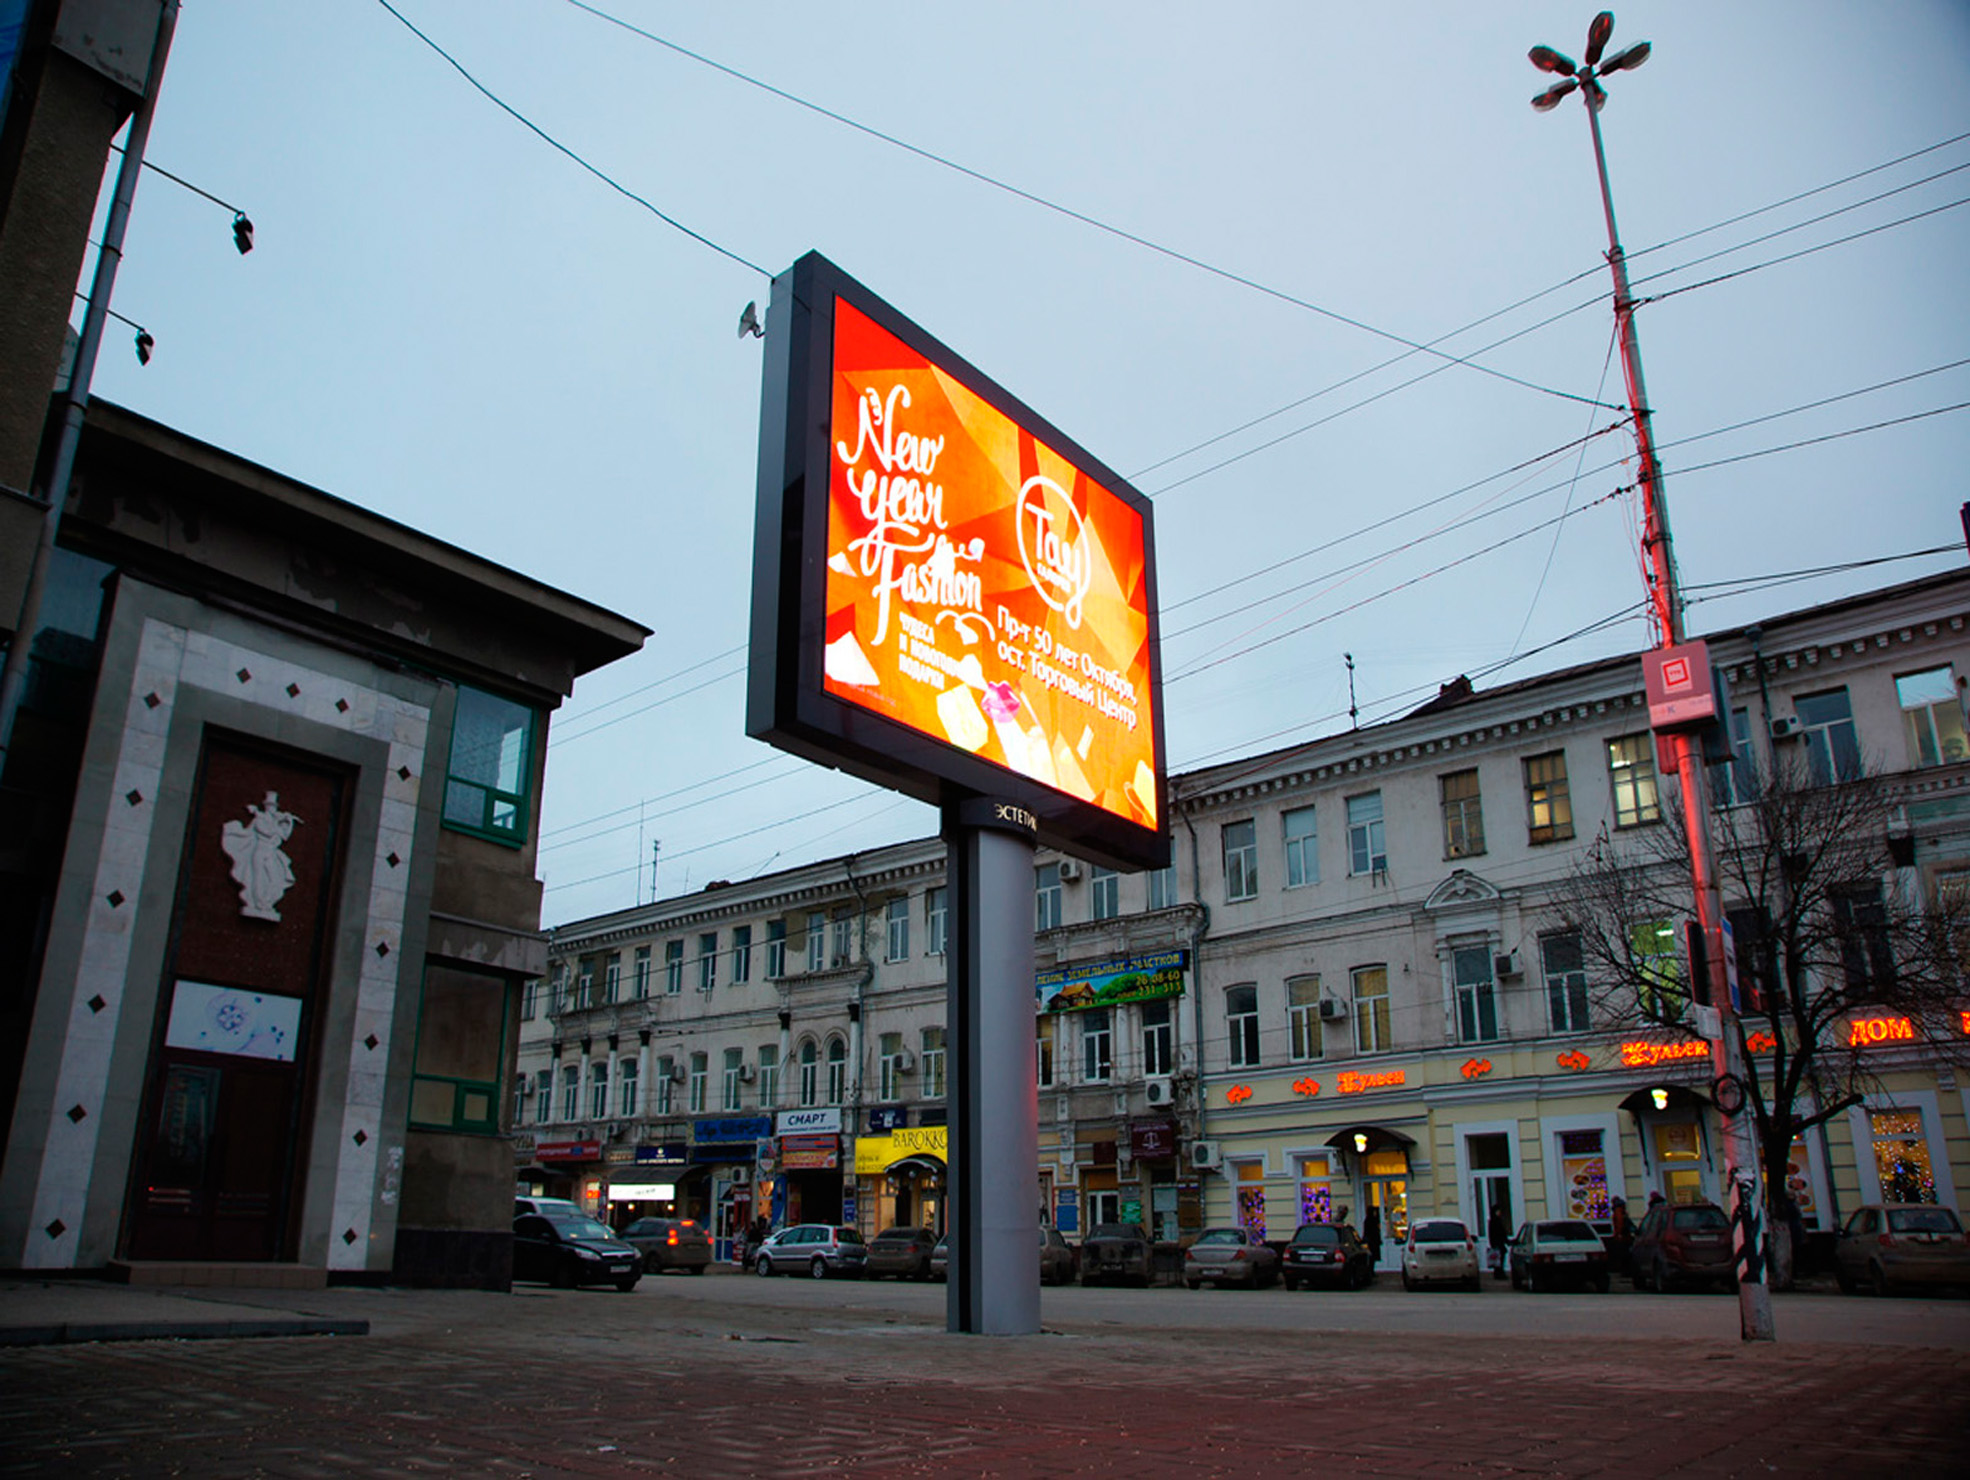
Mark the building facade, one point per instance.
(1354, 993)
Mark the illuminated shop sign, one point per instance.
(950, 598)
(1760, 1042)
(568, 1151)
(1574, 1061)
(876, 1154)
(1307, 1087)
(1350, 1083)
(810, 1153)
(1475, 1068)
(1238, 1094)
(809, 1122)
(1866, 1032)
(1105, 983)
(1648, 1055)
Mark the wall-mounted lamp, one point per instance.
(1660, 1096)
(1360, 1142)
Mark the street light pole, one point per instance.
(1666, 617)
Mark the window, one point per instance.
(1303, 1017)
(708, 961)
(896, 916)
(776, 949)
(1097, 1046)
(1901, 1157)
(1158, 1038)
(931, 1060)
(769, 1075)
(1833, 748)
(571, 1091)
(491, 767)
(461, 1051)
(1241, 1020)
(935, 919)
(1631, 771)
(529, 999)
(1860, 923)
(700, 1071)
(742, 953)
(841, 932)
(817, 941)
(1043, 1039)
(1163, 888)
(1241, 860)
(543, 1097)
(557, 991)
(1652, 949)
(1104, 893)
(666, 1085)
(612, 980)
(642, 973)
(628, 1073)
(1371, 1008)
(733, 1080)
(1548, 809)
(1463, 814)
(1367, 851)
(890, 1067)
(1302, 847)
(1934, 716)
(1736, 780)
(837, 1071)
(598, 1090)
(1477, 1000)
(810, 1088)
(1566, 981)
(673, 966)
(1046, 896)
(585, 989)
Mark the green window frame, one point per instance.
(489, 776)
(461, 1052)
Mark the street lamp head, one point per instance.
(1597, 34)
(1626, 61)
(1548, 60)
(1550, 98)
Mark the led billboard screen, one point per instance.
(950, 597)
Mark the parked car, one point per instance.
(1565, 1251)
(1115, 1253)
(1059, 1260)
(552, 1206)
(1682, 1244)
(903, 1252)
(670, 1243)
(1230, 1256)
(570, 1249)
(1327, 1253)
(819, 1249)
(1440, 1251)
(1889, 1246)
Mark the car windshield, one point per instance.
(1317, 1233)
(1440, 1233)
(579, 1226)
(1570, 1231)
(1221, 1236)
(1922, 1220)
(1703, 1219)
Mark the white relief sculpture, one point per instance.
(261, 870)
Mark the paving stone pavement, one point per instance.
(589, 1383)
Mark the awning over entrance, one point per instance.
(927, 1164)
(1375, 1138)
(1676, 1097)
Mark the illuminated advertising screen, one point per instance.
(951, 598)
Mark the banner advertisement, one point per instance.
(876, 1154)
(1103, 983)
(810, 1153)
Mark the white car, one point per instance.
(1440, 1251)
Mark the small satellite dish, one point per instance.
(749, 322)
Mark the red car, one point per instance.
(1687, 1244)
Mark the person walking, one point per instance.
(1371, 1235)
(1497, 1233)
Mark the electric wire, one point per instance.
(795, 768)
(600, 725)
(661, 797)
(585, 711)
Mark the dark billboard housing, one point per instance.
(950, 598)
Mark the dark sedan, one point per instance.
(901, 1252)
(670, 1243)
(569, 1249)
(1327, 1254)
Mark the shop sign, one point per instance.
(666, 1153)
(618, 1156)
(734, 1128)
(1475, 1068)
(523, 1147)
(1307, 1087)
(1132, 1210)
(1760, 1042)
(1349, 1083)
(1238, 1094)
(568, 1151)
(1103, 983)
(1153, 1140)
(1648, 1055)
(875, 1154)
(810, 1122)
(1574, 1060)
(1866, 1032)
(810, 1153)
(887, 1118)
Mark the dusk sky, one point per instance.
(1203, 241)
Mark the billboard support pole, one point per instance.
(994, 1136)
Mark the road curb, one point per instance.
(69, 1333)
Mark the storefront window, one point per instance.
(1583, 1176)
(1679, 1153)
(1251, 1198)
(1901, 1155)
(1316, 1191)
(1799, 1182)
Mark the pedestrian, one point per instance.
(1497, 1233)
(1620, 1237)
(1371, 1234)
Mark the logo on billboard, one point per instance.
(1053, 548)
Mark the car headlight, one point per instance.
(587, 1254)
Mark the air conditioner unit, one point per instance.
(1070, 869)
(1159, 1092)
(741, 1176)
(1206, 1156)
(1506, 965)
(906, 1062)
(526, 1086)
(1786, 727)
(678, 1073)
(1332, 1009)
(747, 1073)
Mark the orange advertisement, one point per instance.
(981, 588)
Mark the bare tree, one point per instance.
(1832, 928)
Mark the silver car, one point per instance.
(1440, 1251)
(816, 1249)
(1891, 1246)
(1230, 1256)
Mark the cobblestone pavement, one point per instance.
(591, 1383)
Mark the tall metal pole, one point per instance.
(13, 678)
(1666, 613)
